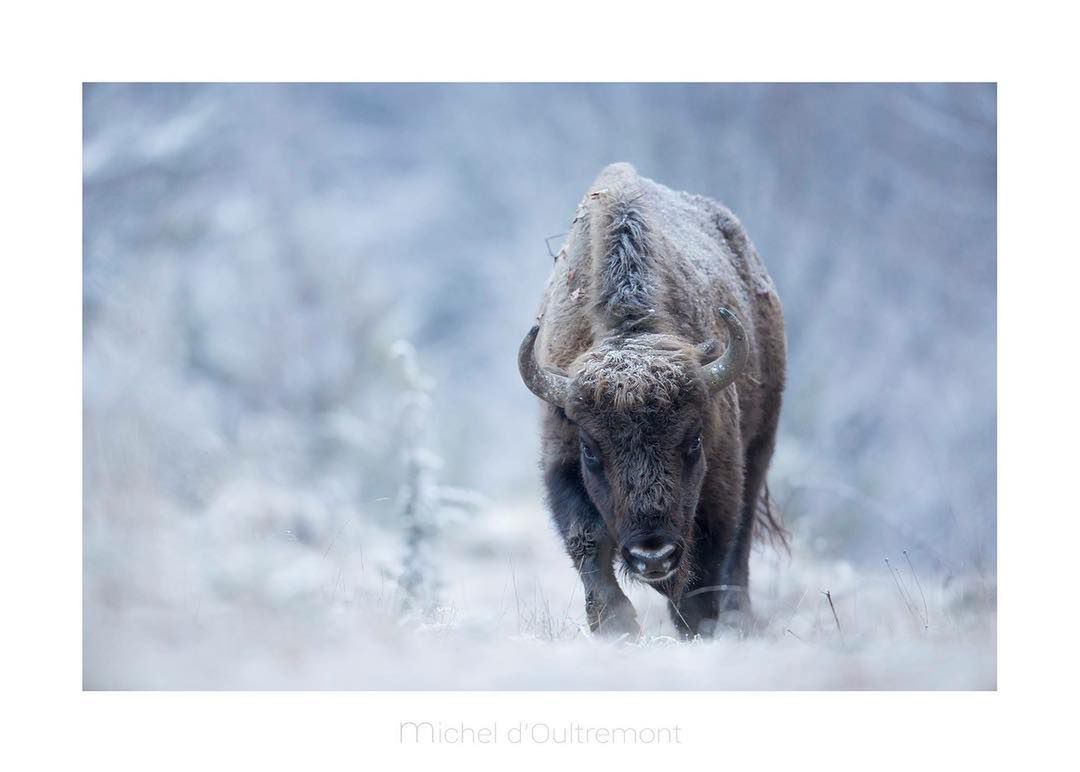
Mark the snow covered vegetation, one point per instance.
(281, 492)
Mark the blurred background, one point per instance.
(302, 305)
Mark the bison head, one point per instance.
(641, 408)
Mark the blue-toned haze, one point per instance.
(252, 254)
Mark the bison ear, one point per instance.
(721, 373)
(548, 385)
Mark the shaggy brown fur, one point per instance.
(628, 315)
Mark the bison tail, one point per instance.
(769, 522)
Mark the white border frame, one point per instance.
(48, 53)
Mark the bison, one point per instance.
(659, 351)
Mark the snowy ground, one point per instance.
(269, 592)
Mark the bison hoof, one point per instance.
(617, 623)
(729, 624)
(736, 622)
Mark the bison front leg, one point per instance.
(607, 608)
(591, 548)
(716, 600)
(717, 597)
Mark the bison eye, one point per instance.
(591, 459)
(694, 447)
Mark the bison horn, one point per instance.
(549, 386)
(720, 374)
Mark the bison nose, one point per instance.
(652, 558)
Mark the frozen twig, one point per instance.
(926, 613)
(828, 596)
(900, 589)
